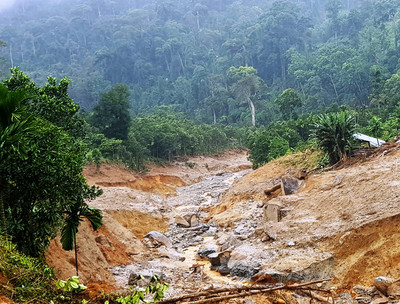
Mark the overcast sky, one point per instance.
(4, 4)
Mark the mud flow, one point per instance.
(220, 223)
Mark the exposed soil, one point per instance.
(343, 223)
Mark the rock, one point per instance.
(214, 259)
(194, 220)
(319, 270)
(382, 284)
(224, 270)
(181, 222)
(171, 254)
(241, 229)
(291, 244)
(207, 249)
(241, 262)
(244, 270)
(158, 239)
(260, 205)
(272, 213)
(210, 232)
(289, 184)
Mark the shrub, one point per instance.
(333, 132)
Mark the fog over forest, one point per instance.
(188, 54)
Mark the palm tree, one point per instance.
(74, 215)
(333, 132)
(15, 124)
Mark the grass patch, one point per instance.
(24, 278)
(309, 159)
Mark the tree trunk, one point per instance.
(2, 209)
(198, 20)
(253, 112)
(334, 86)
(181, 61)
(215, 117)
(76, 256)
(11, 57)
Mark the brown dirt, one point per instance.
(352, 211)
(139, 223)
(174, 174)
(5, 300)
(111, 245)
(252, 185)
(130, 211)
(367, 252)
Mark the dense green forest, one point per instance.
(188, 54)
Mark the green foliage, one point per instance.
(48, 180)
(288, 101)
(265, 146)
(111, 114)
(155, 291)
(31, 279)
(71, 285)
(334, 131)
(190, 165)
(375, 127)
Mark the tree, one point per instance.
(265, 146)
(334, 131)
(375, 126)
(111, 114)
(74, 215)
(48, 180)
(15, 124)
(288, 101)
(246, 84)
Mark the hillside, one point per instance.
(342, 224)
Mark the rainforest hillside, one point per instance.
(217, 61)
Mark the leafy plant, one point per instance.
(29, 277)
(75, 214)
(334, 131)
(155, 290)
(191, 165)
(71, 285)
(265, 147)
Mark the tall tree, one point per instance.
(15, 124)
(245, 86)
(111, 114)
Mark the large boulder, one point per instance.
(180, 221)
(383, 283)
(158, 239)
(289, 184)
(207, 249)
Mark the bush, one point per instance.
(265, 147)
(333, 132)
(31, 279)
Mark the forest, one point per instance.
(189, 54)
(215, 67)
